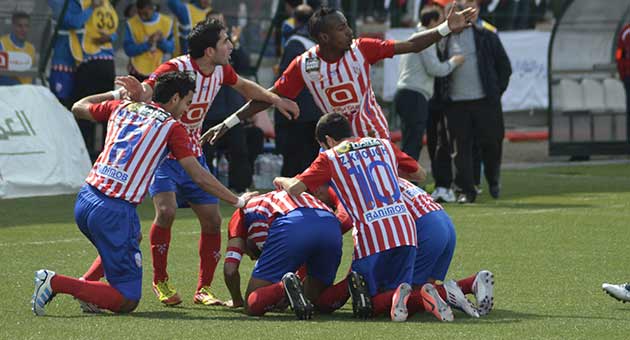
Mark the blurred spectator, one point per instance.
(475, 112)
(67, 52)
(622, 56)
(234, 145)
(16, 42)
(295, 139)
(288, 25)
(187, 16)
(97, 71)
(415, 84)
(148, 36)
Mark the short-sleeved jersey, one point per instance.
(255, 218)
(342, 86)
(364, 174)
(207, 87)
(139, 136)
(417, 200)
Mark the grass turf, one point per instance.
(554, 236)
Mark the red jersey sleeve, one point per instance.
(101, 111)
(291, 83)
(236, 226)
(179, 143)
(376, 49)
(229, 75)
(166, 67)
(317, 174)
(405, 162)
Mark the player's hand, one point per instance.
(102, 38)
(132, 86)
(458, 21)
(277, 183)
(213, 134)
(458, 59)
(249, 195)
(236, 34)
(287, 107)
(232, 304)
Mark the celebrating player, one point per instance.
(294, 230)
(337, 71)
(209, 49)
(364, 174)
(138, 138)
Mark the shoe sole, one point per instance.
(433, 303)
(361, 301)
(301, 306)
(167, 302)
(216, 302)
(399, 312)
(39, 284)
(487, 302)
(458, 300)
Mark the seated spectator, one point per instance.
(16, 42)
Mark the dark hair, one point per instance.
(303, 14)
(293, 3)
(140, 4)
(19, 15)
(205, 34)
(169, 83)
(317, 22)
(334, 125)
(429, 14)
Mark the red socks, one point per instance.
(209, 256)
(160, 239)
(382, 302)
(414, 304)
(441, 290)
(95, 272)
(264, 299)
(467, 283)
(333, 297)
(98, 293)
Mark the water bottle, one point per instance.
(223, 168)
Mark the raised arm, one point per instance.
(81, 109)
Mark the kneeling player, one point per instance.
(290, 231)
(139, 137)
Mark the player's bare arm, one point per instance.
(456, 22)
(81, 109)
(211, 185)
(419, 176)
(291, 185)
(232, 276)
(253, 91)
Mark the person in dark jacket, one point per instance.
(474, 112)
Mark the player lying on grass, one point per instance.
(139, 136)
(337, 71)
(287, 232)
(364, 174)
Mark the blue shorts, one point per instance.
(113, 227)
(171, 177)
(61, 84)
(386, 270)
(436, 245)
(303, 236)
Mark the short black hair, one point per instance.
(317, 22)
(19, 15)
(334, 125)
(169, 83)
(429, 14)
(293, 3)
(205, 34)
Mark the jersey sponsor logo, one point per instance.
(195, 113)
(385, 212)
(312, 64)
(113, 173)
(148, 111)
(414, 191)
(342, 94)
(352, 146)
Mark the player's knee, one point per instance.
(212, 225)
(127, 306)
(165, 215)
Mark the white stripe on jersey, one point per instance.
(136, 143)
(417, 200)
(345, 87)
(374, 202)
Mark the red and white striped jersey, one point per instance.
(259, 213)
(417, 200)
(342, 86)
(139, 136)
(207, 87)
(364, 175)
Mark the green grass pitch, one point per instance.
(551, 240)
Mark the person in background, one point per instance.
(148, 36)
(187, 16)
(16, 42)
(622, 56)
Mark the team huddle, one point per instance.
(360, 182)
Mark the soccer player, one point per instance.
(337, 71)
(209, 49)
(436, 244)
(364, 174)
(138, 138)
(289, 231)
